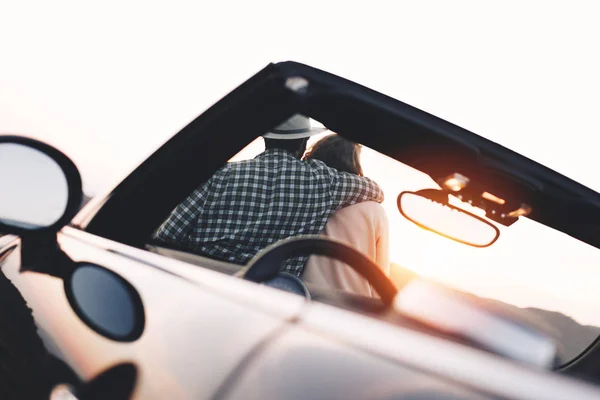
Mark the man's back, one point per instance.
(251, 204)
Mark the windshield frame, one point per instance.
(420, 140)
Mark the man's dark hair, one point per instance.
(295, 146)
(337, 152)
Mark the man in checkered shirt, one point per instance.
(248, 205)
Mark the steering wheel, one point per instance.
(266, 265)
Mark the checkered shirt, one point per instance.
(248, 205)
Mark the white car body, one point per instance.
(213, 335)
(192, 346)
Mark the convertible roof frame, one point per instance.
(428, 143)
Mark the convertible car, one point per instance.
(94, 307)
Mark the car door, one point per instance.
(194, 334)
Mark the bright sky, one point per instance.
(109, 82)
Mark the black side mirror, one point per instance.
(41, 187)
(41, 193)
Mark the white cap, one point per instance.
(297, 127)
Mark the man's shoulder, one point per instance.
(242, 165)
(315, 163)
(275, 163)
(318, 165)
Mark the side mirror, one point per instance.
(41, 192)
(430, 210)
(41, 187)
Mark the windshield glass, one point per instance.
(530, 266)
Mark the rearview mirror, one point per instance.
(432, 212)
